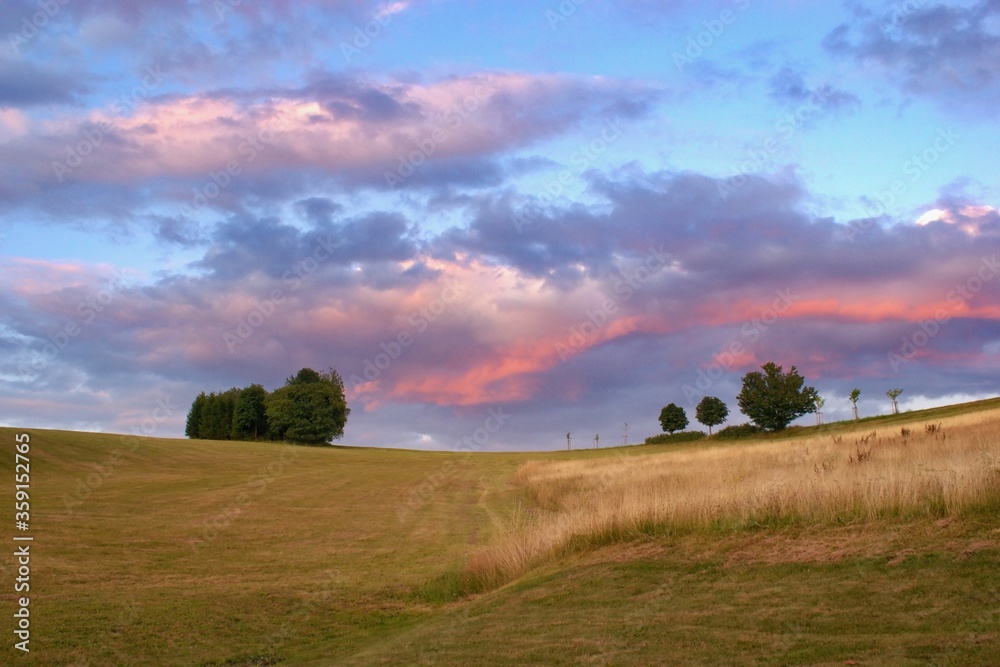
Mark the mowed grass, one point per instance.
(207, 553)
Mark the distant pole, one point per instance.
(625, 435)
(567, 442)
(597, 441)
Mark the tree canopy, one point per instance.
(310, 408)
(773, 399)
(711, 411)
(673, 418)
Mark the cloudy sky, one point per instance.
(568, 214)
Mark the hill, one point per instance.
(176, 552)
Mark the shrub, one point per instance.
(739, 432)
(672, 438)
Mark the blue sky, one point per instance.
(174, 163)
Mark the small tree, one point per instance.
(893, 394)
(673, 418)
(855, 395)
(820, 402)
(772, 399)
(711, 412)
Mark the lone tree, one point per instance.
(310, 408)
(855, 395)
(711, 412)
(673, 418)
(893, 394)
(772, 399)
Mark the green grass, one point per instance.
(178, 552)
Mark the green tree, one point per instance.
(711, 411)
(772, 399)
(191, 428)
(213, 425)
(673, 418)
(249, 416)
(216, 420)
(310, 408)
(855, 395)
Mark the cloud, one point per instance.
(243, 246)
(789, 86)
(228, 148)
(945, 52)
(541, 322)
(24, 84)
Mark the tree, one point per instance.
(310, 408)
(772, 399)
(216, 421)
(673, 418)
(893, 394)
(855, 395)
(249, 417)
(192, 427)
(820, 402)
(711, 412)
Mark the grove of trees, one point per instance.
(310, 408)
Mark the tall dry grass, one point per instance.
(932, 469)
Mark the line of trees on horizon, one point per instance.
(310, 409)
(772, 399)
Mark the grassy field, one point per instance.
(173, 552)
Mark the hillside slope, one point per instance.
(166, 552)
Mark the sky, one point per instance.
(499, 222)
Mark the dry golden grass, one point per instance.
(931, 469)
